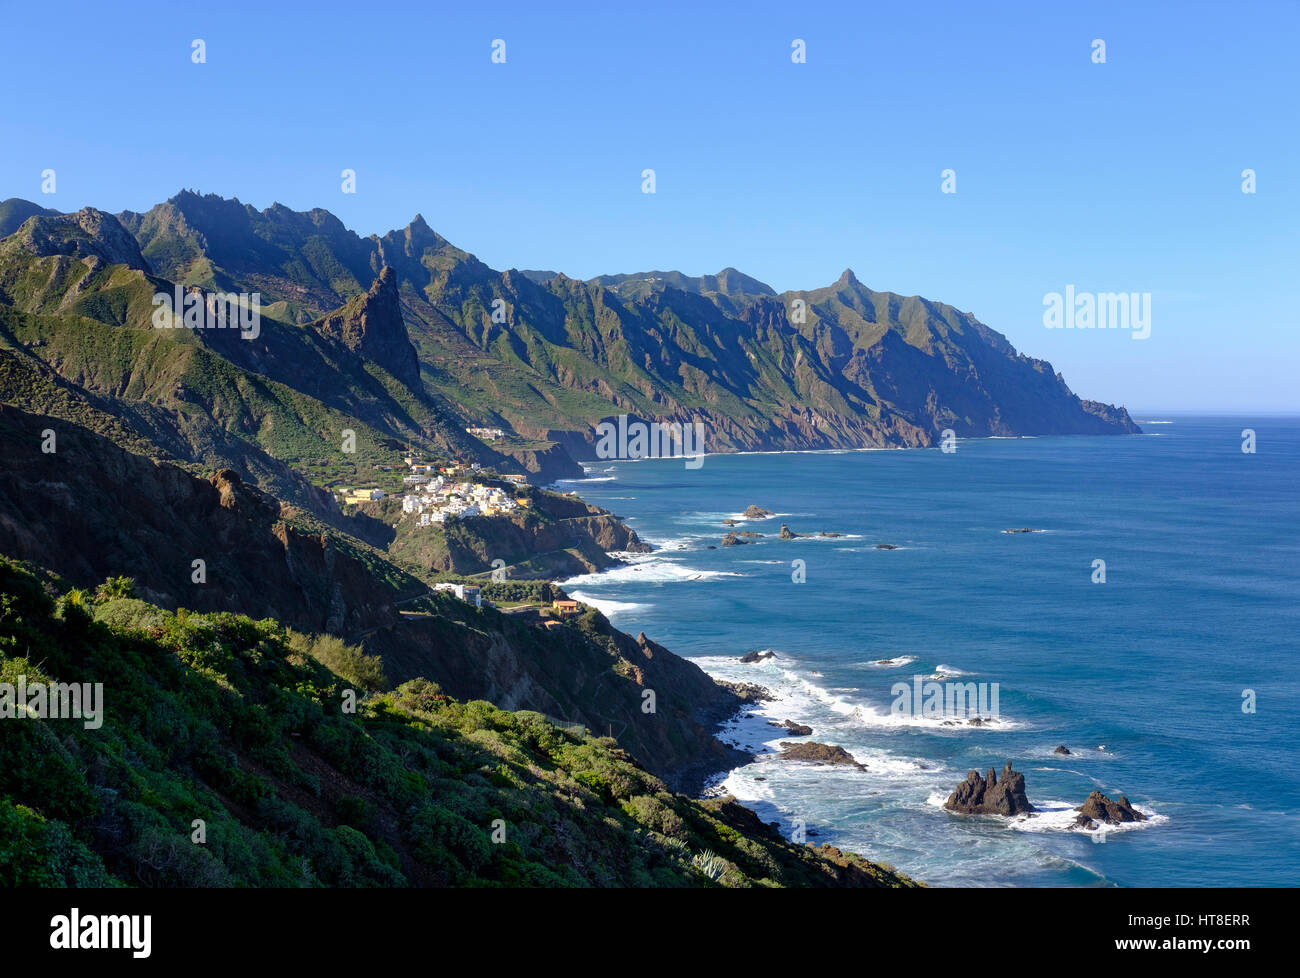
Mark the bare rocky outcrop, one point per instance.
(989, 795)
(815, 753)
(1099, 808)
(797, 729)
(371, 325)
(89, 233)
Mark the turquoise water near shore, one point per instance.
(1201, 544)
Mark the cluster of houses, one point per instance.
(486, 434)
(439, 500)
(354, 496)
(437, 492)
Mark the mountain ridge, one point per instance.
(548, 357)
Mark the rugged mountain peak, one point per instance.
(733, 282)
(419, 232)
(847, 278)
(88, 233)
(371, 325)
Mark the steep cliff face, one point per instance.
(555, 536)
(90, 510)
(840, 366)
(371, 326)
(585, 673)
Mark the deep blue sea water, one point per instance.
(1201, 544)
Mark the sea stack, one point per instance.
(989, 796)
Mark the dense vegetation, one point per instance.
(245, 725)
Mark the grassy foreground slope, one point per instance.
(243, 725)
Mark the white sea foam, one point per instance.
(798, 694)
(895, 663)
(658, 571)
(1059, 816)
(606, 607)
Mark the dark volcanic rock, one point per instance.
(756, 513)
(730, 522)
(1100, 808)
(823, 533)
(789, 534)
(371, 325)
(818, 754)
(1061, 749)
(748, 692)
(989, 796)
(757, 656)
(733, 540)
(750, 533)
(798, 729)
(1023, 529)
(885, 546)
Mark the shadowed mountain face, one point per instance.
(550, 356)
(371, 326)
(89, 509)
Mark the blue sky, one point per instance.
(1123, 176)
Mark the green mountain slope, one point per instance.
(549, 356)
(227, 755)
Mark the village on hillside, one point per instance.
(437, 492)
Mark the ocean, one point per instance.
(1174, 681)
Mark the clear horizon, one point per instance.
(1117, 177)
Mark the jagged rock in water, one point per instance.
(989, 796)
(1101, 809)
(818, 754)
(798, 729)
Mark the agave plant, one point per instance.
(710, 864)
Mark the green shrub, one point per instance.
(366, 672)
